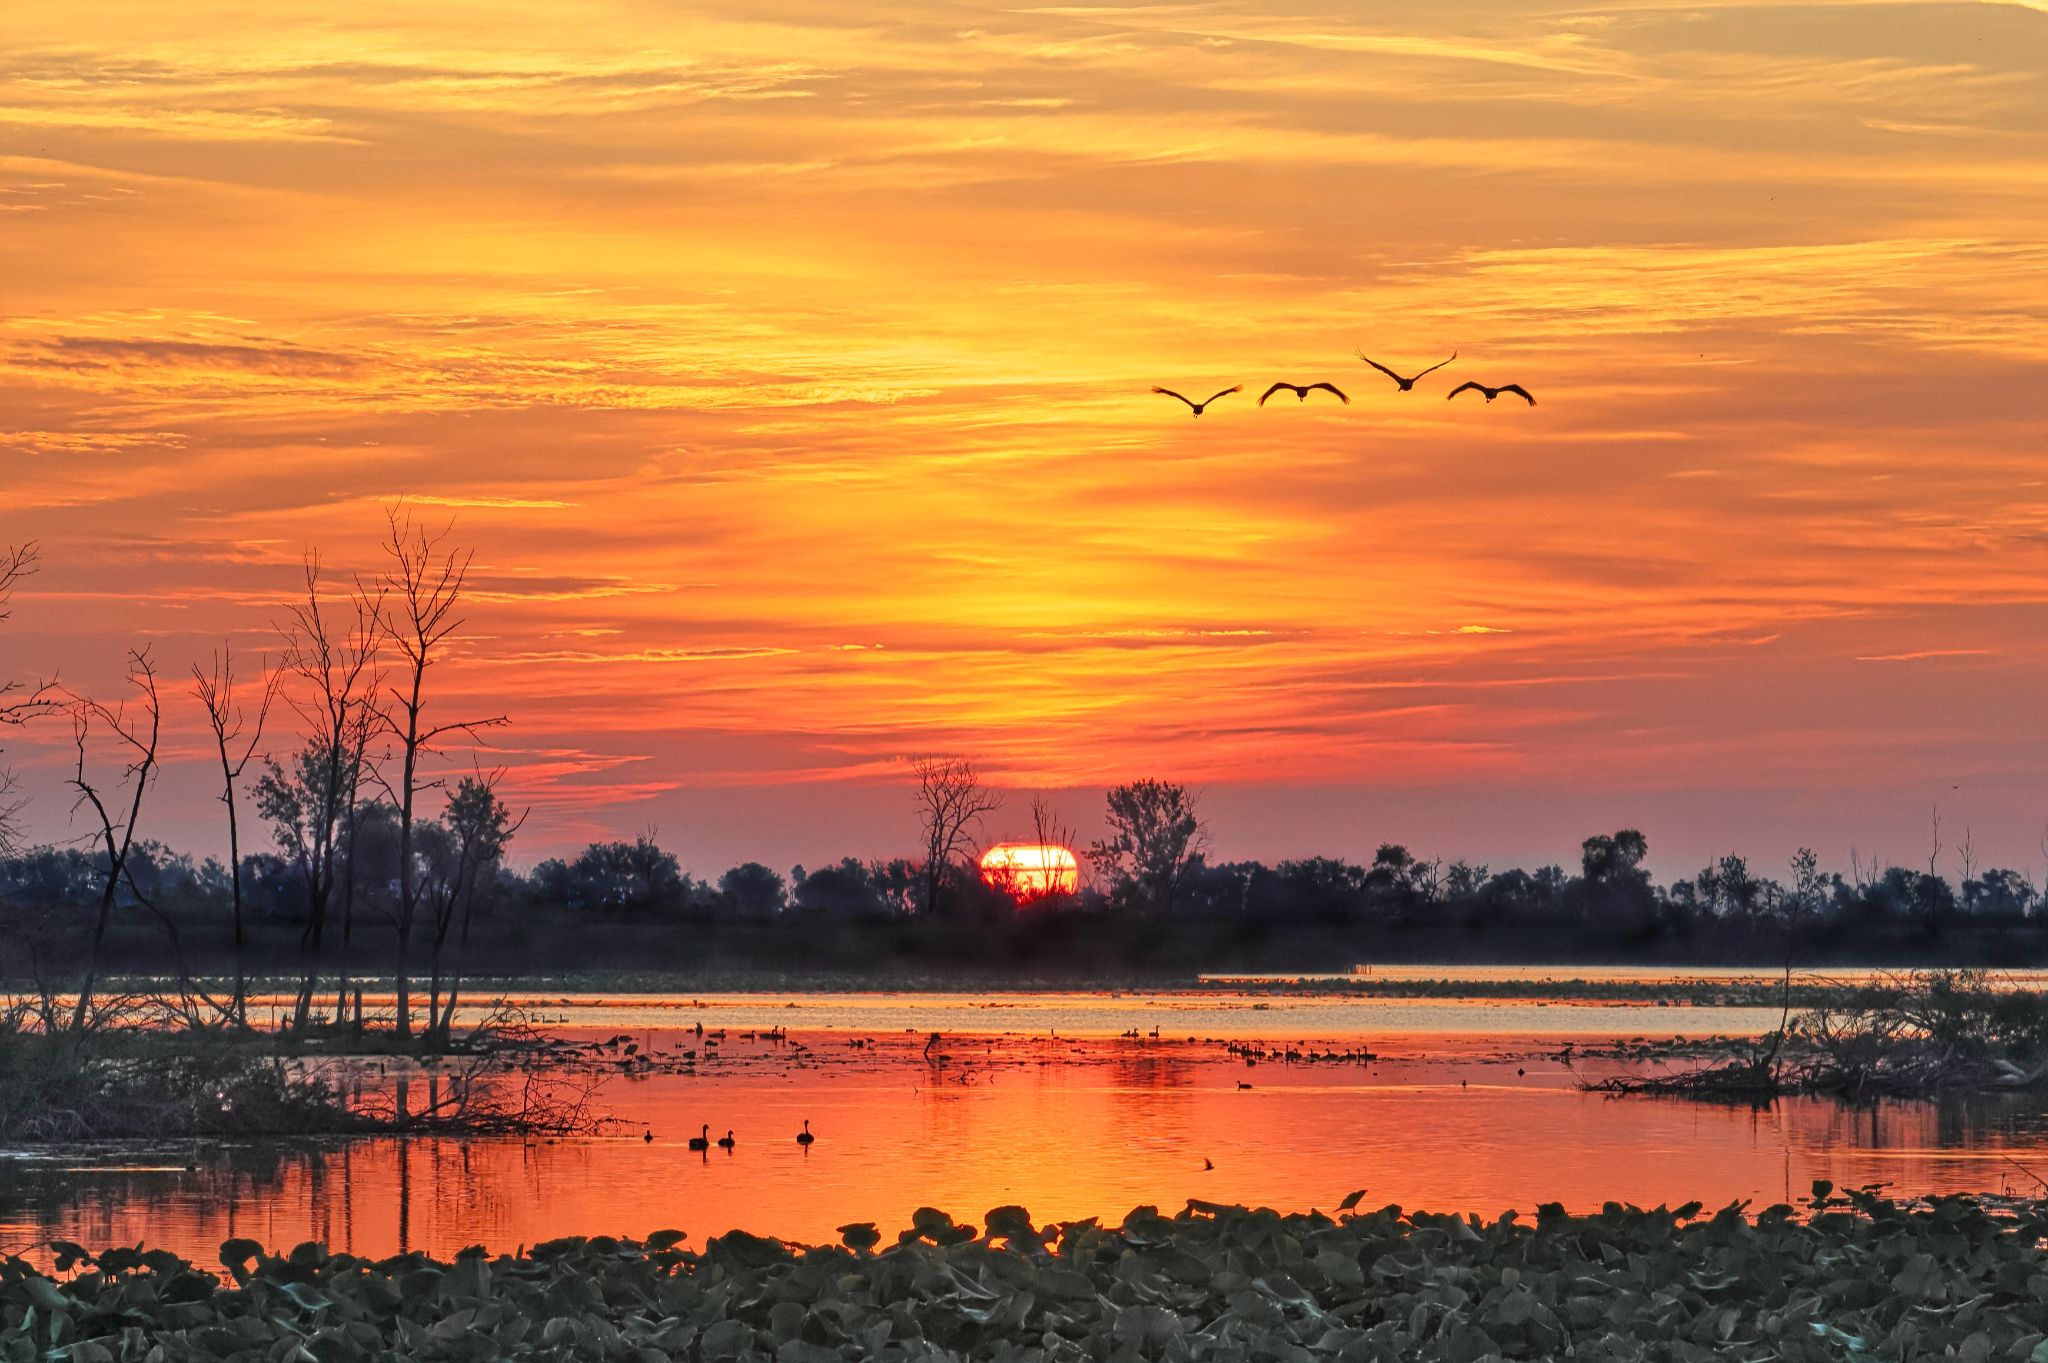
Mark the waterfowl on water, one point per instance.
(702, 1142)
(804, 1137)
(726, 1141)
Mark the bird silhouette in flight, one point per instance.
(1198, 407)
(1301, 391)
(1405, 384)
(1492, 393)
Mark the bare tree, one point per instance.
(215, 691)
(1934, 853)
(422, 592)
(1154, 836)
(1047, 830)
(1966, 855)
(336, 661)
(138, 736)
(19, 702)
(950, 799)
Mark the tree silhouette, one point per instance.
(215, 691)
(466, 848)
(950, 800)
(756, 891)
(422, 591)
(137, 735)
(334, 656)
(19, 702)
(1154, 836)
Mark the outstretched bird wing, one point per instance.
(1170, 393)
(1274, 389)
(1382, 368)
(1461, 388)
(1519, 392)
(1224, 394)
(1438, 365)
(1333, 388)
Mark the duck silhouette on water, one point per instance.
(804, 1137)
(702, 1142)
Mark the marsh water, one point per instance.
(1073, 1104)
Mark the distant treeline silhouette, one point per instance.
(630, 905)
(360, 878)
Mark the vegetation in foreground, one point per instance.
(1845, 1276)
(136, 1074)
(1928, 1032)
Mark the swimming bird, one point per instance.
(1198, 406)
(648, 1137)
(726, 1142)
(1492, 393)
(702, 1142)
(1301, 391)
(1208, 1164)
(1406, 384)
(804, 1137)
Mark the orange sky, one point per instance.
(787, 366)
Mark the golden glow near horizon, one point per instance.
(789, 371)
(1031, 870)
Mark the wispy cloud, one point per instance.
(790, 368)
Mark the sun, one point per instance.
(1029, 871)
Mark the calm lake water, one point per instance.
(1470, 1104)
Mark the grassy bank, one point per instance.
(1840, 1277)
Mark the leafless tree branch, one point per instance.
(951, 799)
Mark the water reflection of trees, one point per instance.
(1960, 1121)
(373, 1194)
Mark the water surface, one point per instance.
(1044, 1100)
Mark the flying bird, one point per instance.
(1198, 406)
(1492, 393)
(1301, 391)
(1406, 384)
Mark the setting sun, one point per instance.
(1031, 870)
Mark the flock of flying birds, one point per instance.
(1302, 390)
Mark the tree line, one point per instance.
(376, 866)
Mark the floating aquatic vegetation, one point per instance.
(1843, 1277)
